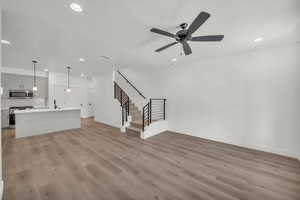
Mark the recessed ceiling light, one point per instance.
(5, 42)
(174, 59)
(76, 7)
(46, 70)
(258, 39)
(82, 75)
(81, 59)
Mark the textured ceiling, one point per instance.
(51, 32)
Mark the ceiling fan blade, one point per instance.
(200, 19)
(186, 48)
(161, 32)
(208, 38)
(167, 46)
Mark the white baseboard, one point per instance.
(1, 189)
(154, 129)
(281, 152)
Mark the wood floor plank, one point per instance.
(99, 162)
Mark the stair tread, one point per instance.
(137, 122)
(135, 113)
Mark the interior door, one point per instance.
(91, 105)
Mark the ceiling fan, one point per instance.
(185, 34)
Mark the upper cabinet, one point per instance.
(15, 81)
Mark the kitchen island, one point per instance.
(40, 121)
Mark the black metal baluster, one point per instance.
(150, 110)
(122, 116)
(115, 87)
(128, 105)
(121, 97)
(143, 119)
(148, 115)
(164, 109)
(125, 112)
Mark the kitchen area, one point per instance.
(18, 94)
(43, 102)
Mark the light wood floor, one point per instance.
(98, 162)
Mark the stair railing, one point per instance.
(131, 84)
(154, 110)
(124, 102)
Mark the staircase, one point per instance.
(136, 123)
(146, 116)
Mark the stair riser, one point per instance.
(138, 115)
(137, 125)
(136, 118)
(135, 113)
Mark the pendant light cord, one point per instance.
(34, 75)
(34, 72)
(68, 77)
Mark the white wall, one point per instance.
(107, 109)
(250, 99)
(1, 182)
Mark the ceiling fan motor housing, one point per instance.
(182, 35)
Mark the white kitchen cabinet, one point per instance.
(16, 81)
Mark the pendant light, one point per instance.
(34, 88)
(68, 88)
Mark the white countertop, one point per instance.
(44, 110)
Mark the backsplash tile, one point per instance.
(36, 102)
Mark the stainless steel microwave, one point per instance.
(20, 93)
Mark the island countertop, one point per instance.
(46, 120)
(44, 110)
